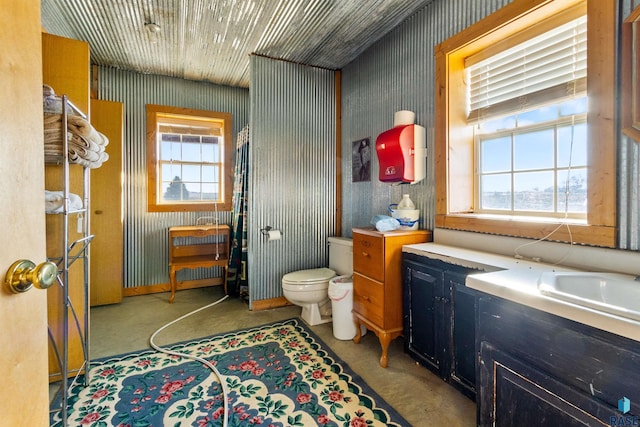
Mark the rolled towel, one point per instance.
(55, 150)
(53, 105)
(89, 155)
(104, 141)
(76, 125)
(91, 164)
(79, 141)
(86, 145)
(82, 127)
(47, 91)
(54, 201)
(75, 158)
(52, 120)
(53, 137)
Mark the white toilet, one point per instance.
(309, 288)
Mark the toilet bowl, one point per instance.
(309, 290)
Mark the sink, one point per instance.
(613, 293)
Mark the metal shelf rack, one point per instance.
(72, 251)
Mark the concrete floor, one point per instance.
(419, 396)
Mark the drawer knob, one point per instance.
(365, 254)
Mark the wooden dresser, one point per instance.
(377, 281)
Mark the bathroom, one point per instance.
(298, 187)
(313, 192)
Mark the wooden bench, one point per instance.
(195, 254)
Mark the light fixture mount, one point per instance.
(152, 27)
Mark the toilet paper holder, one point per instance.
(265, 231)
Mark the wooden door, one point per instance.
(106, 208)
(23, 340)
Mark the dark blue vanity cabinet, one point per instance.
(439, 319)
(539, 369)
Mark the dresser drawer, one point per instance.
(368, 256)
(368, 299)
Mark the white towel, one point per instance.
(54, 201)
(86, 144)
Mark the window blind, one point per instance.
(547, 67)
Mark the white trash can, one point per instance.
(341, 296)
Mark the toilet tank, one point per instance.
(341, 255)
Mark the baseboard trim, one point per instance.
(166, 287)
(266, 304)
(263, 304)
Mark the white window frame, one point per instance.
(560, 209)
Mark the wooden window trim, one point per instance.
(454, 138)
(152, 161)
(630, 70)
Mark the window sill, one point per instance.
(188, 207)
(577, 232)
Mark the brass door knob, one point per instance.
(23, 274)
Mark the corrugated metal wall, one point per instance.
(398, 73)
(293, 169)
(629, 194)
(146, 253)
(293, 146)
(628, 174)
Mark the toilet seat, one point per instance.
(308, 289)
(314, 276)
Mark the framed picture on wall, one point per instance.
(361, 160)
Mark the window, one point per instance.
(531, 162)
(525, 126)
(189, 159)
(534, 163)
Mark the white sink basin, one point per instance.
(613, 293)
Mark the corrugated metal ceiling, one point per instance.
(208, 40)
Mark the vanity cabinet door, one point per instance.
(525, 396)
(440, 320)
(424, 314)
(574, 364)
(463, 354)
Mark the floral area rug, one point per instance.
(276, 375)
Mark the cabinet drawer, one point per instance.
(368, 299)
(368, 256)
